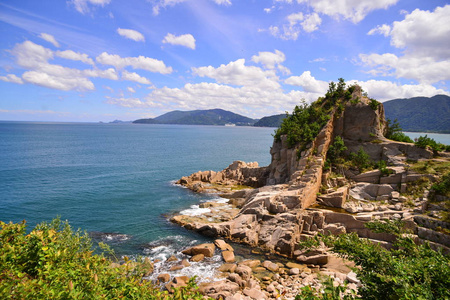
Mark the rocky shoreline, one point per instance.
(296, 197)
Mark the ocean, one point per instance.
(116, 181)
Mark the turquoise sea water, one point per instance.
(115, 178)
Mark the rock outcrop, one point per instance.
(279, 208)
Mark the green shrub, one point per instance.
(443, 186)
(336, 151)
(361, 159)
(425, 141)
(408, 271)
(374, 104)
(54, 262)
(394, 132)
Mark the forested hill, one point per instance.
(200, 117)
(420, 114)
(270, 121)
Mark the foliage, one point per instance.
(443, 186)
(394, 132)
(408, 271)
(303, 125)
(382, 166)
(425, 141)
(336, 151)
(428, 166)
(327, 292)
(54, 262)
(374, 104)
(416, 188)
(360, 159)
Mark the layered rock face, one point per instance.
(275, 216)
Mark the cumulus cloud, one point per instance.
(131, 76)
(424, 37)
(223, 2)
(424, 33)
(272, 60)
(308, 83)
(49, 38)
(311, 22)
(140, 62)
(186, 40)
(69, 54)
(35, 59)
(12, 78)
(83, 6)
(131, 90)
(237, 73)
(131, 34)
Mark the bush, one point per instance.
(425, 141)
(53, 262)
(336, 151)
(374, 104)
(443, 186)
(394, 132)
(408, 271)
(361, 159)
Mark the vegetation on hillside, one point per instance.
(407, 271)
(421, 114)
(54, 262)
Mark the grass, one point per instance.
(434, 167)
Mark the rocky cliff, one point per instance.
(279, 211)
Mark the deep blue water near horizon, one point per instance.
(115, 178)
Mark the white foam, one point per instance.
(194, 210)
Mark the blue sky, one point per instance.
(100, 60)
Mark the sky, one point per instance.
(101, 60)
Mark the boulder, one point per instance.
(228, 256)
(319, 259)
(197, 258)
(227, 268)
(206, 249)
(213, 289)
(335, 199)
(244, 271)
(270, 266)
(163, 278)
(222, 245)
(254, 294)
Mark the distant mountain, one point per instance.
(200, 117)
(119, 122)
(420, 114)
(270, 121)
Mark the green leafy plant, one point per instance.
(361, 159)
(425, 141)
(407, 271)
(374, 104)
(55, 262)
(394, 132)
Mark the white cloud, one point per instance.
(12, 78)
(69, 54)
(82, 6)
(387, 90)
(237, 73)
(49, 38)
(131, 90)
(381, 29)
(311, 22)
(422, 69)
(424, 36)
(296, 23)
(131, 34)
(424, 33)
(35, 59)
(186, 40)
(140, 62)
(353, 10)
(308, 83)
(131, 76)
(272, 60)
(57, 82)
